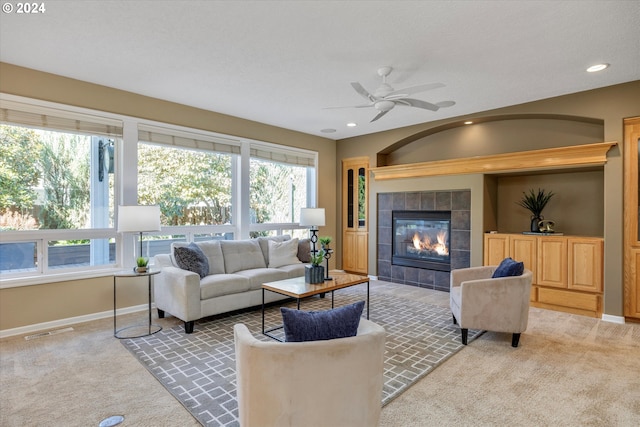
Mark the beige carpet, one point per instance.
(569, 370)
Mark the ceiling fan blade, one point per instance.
(363, 92)
(418, 103)
(415, 89)
(349, 106)
(380, 114)
(444, 104)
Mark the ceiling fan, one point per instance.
(385, 98)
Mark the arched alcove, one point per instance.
(492, 135)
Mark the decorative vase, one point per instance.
(140, 269)
(534, 223)
(314, 274)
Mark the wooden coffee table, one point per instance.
(297, 288)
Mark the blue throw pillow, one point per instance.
(321, 325)
(509, 267)
(192, 258)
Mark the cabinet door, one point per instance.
(524, 248)
(631, 218)
(496, 248)
(585, 264)
(552, 262)
(354, 215)
(632, 285)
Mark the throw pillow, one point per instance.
(321, 325)
(304, 251)
(283, 253)
(508, 267)
(192, 258)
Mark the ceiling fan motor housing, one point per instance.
(384, 105)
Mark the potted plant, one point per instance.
(535, 203)
(141, 263)
(314, 273)
(325, 242)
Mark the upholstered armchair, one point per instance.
(493, 304)
(323, 383)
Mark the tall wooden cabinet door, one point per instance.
(552, 262)
(631, 218)
(632, 285)
(524, 248)
(496, 248)
(355, 191)
(585, 264)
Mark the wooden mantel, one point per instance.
(546, 159)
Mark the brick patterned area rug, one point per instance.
(199, 369)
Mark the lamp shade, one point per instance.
(313, 217)
(138, 218)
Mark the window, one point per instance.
(281, 183)
(56, 173)
(64, 170)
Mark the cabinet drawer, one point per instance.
(569, 299)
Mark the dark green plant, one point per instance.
(535, 202)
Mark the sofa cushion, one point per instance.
(242, 255)
(192, 258)
(508, 267)
(304, 250)
(213, 252)
(283, 253)
(321, 325)
(264, 244)
(217, 285)
(293, 270)
(258, 276)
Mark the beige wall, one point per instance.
(29, 305)
(605, 108)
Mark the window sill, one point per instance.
(54, 278)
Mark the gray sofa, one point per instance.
(237, 270)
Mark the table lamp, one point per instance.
(138, 219)
(314, 218)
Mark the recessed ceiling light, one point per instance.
(352, 125)
(597, 67)
(328, 130)
(469, 122)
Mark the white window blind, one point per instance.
(159, 135)
(16, 113)
(289, 157)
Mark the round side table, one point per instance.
(149, 329)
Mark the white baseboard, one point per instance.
(373, 277)
(613, 319)
(38, 327)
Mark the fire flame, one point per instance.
(425, 244)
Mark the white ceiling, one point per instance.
(283, 62)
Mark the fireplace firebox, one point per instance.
(422, 239)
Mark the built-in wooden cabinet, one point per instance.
(631, 219)
(568, 270)
(355, 237)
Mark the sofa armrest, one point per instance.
(177, 292)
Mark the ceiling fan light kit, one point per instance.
(385, 97)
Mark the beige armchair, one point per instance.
(480, 302)
(314, 383)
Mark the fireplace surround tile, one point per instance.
(456, 201)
